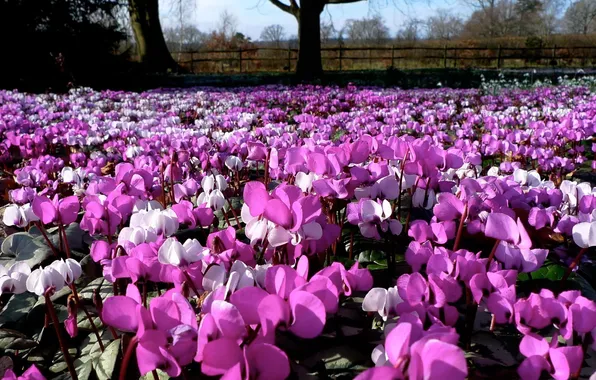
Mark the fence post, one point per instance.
(340, 57)
(240, 58)
(455, 57)
(499, 58)
(445, 56)
(393, 56)
(554, 56)
(369, 58)
(192, 62)
(289, 58)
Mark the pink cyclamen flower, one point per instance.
(559, 362)
(32, 373)
(57, 211)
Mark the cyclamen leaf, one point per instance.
(15, 340)
(18, 307)
(107, 361)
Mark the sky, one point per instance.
(254, 15)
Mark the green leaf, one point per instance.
(489, 346)
(335, 358)
(90, 347)
(18, 307)
(83, 368)
(585, 287)
(75, 236)
(161, 375)
(25, 247)
(106, 289)
(107, 361)
(83, 321)
(15, 340)
(553, 272)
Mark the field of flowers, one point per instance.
(298, 232)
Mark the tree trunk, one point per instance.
(309, 33)
(151, 45)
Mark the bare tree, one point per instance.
(492, 18)
(308, 16)
(227, 25)
(180, 11)
(367, 30)
(273, 34)
(580, 17)
(550, 22)
(328, 32)
(444, 26)
(190, 36)
(410, 31)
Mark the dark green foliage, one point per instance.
(55, 42)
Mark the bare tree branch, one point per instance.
(341, 1)
(284, 7)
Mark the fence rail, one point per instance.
(345, 58)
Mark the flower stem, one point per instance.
(45, 236)
(56, 323)
(191, 283)
(234, 213)
(573, 264)
(127, 356)
(82, 306)
(145, 293)
(66, 246)
(470, 317)
(460, 228)
(492, 254)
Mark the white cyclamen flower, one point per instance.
(14, 279)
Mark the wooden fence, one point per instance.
(345, 58)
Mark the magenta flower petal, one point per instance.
(377, 373)
(308, 313)
(442, 360)
(247, 301)
(220, 355)
(449, 207)
(44, 209)
(500, 307)
(281, 280)
(228, 319)
(324, 289)
(164, 312)
(256, 197)
(416, 289)
(277, 212)
(531, 368)
(566, 361)
(501, 227)
(533, 344)
(69, 209)
(397, 343)
(150, 357)
(120, 312)
(273, 311)
(267, 362)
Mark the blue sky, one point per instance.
(254, 15)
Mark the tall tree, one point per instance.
(151, 44)
(308, 15)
